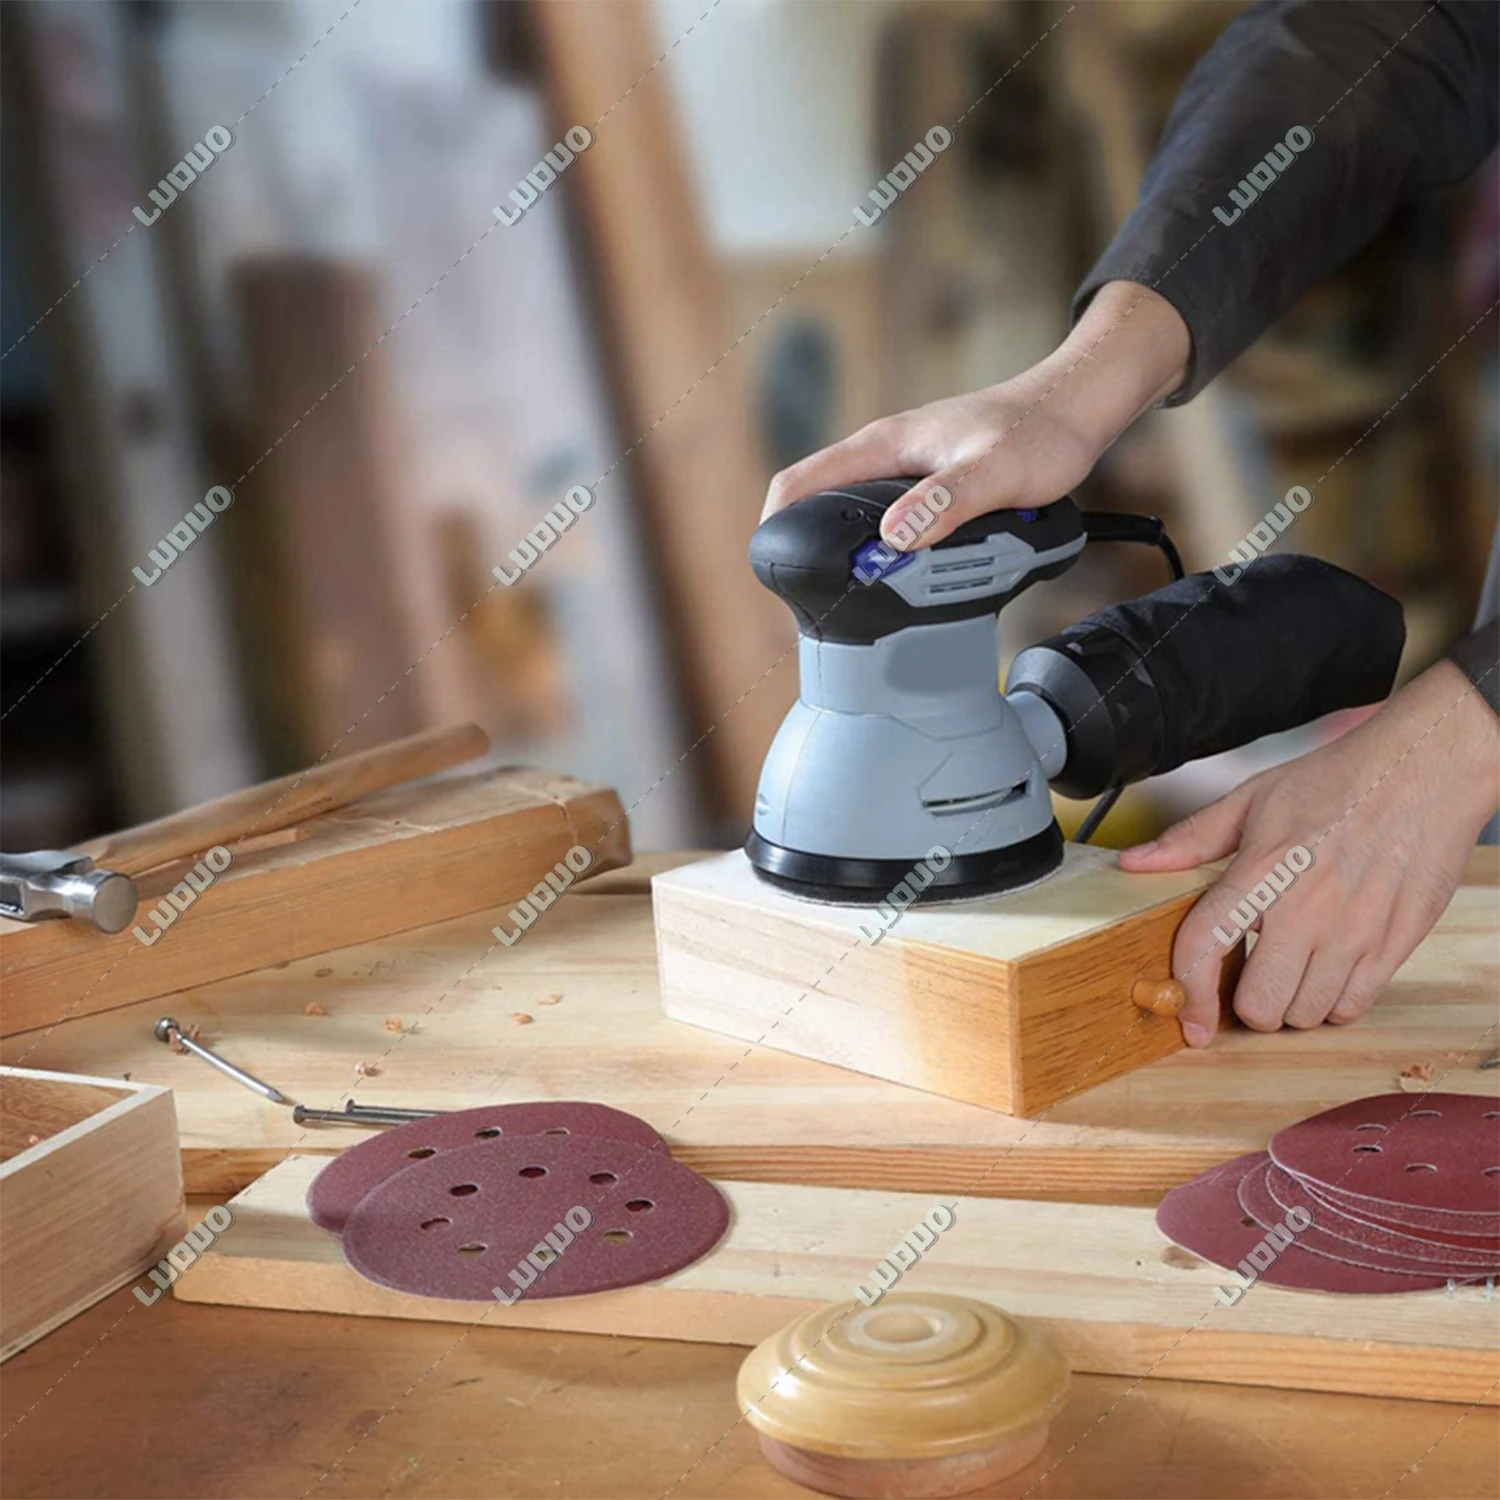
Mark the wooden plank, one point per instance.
(1013, 1003)
(393, 861)
(663, 313)
(746, 1112)
(1118, 1296)
(95, 1200)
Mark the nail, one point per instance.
(1195, 1035)
(1150, 848)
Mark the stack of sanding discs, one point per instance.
(547, 1199)
(1398, 1193)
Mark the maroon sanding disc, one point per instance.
(1438, 1152)
(1205, 1216)
(1430, 1224)
(459, 1224)
(352, 1174)
(1286, 1192)
(1318, 1239)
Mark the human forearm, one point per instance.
(1401, 98)
(1129, 351)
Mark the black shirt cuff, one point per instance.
(1477, 656)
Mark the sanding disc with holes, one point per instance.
(1439, 1228)
(1287, 1192)
(352, 1174)
(1439, 1153)
(457, 1224)
(1205, 1216)
(1322, 1237)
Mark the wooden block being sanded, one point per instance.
(1014, 1002)
(387, 863)
(1103, 1281)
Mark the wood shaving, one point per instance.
(366, 1070)
(549, 1000)
(321, 973)
(393, 1023)
(521, 1018)
(33, 1140)
(1414, 1080)
(314, 1009)
(174, 1040)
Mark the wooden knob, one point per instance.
(1162, 997)
(922, 1394)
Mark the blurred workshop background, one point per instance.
(396, 387)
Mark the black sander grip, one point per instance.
(1202, 666)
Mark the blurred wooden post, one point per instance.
(663, 324)
(318, 564)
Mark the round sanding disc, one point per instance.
(1468, 1231)
(1319, 1238)
(1286, 1192)
(459, 1224)
(1439, 1153)
(352, 1174)
(1205, 1216)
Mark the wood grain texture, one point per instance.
(393, 861)
(1115, 1293)
(1014, 1003)
(261, 809)
(270, 1403)
(736, 1110)
(93, 1203)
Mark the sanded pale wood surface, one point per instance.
(390, 862)
(742, 1112)
(1013, 1003)
(266, 1404)
(1111, 1289)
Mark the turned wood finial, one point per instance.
(923, 1394)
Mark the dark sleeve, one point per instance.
(1401, 99)
(1477, 656)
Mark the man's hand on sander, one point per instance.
(1025, 442)
(1390, 811)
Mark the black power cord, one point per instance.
(1115, 526)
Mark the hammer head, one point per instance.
(55, 884)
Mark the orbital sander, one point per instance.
(901, 742)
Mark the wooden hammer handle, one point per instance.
(255, 810)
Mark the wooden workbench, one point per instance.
(731, 1109)
(179, 1399)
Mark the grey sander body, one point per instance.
(905, 744)
(900, 742)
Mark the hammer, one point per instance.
(54, 884)
(71, 884)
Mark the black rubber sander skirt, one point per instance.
(867, 882)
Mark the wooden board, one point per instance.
(1014, 1003)
(745, 1112)
(390, 862)
(1118, 1296)
(90, 1194)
